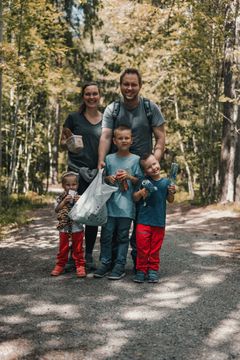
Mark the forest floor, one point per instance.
(191, 314)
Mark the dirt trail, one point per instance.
(192, 314)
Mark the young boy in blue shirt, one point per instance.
(151, 219)
(123, 170)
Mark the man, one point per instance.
(133, 114)
(144, 123)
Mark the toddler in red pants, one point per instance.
(68, 229)
(151, 219)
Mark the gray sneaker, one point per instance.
(102, 271)
(117, 272)
(153, 276)
(139, 277)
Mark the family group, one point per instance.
(128, 141)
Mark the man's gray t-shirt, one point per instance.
(137, 120)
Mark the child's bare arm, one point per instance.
(62, 203)
(140, 194)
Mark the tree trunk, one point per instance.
(230, 159)
(56, 143)
(1, 85)
(190, 182)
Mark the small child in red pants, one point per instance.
(151, 219)
(69, 229)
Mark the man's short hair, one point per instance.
(121, 128)
(131, 71)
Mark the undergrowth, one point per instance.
(15, 208)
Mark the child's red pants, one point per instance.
(149, 241)
(77, 248)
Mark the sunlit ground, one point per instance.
(192, 314)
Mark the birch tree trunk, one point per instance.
(230, 158)
(1, 85)
(190, 182)
(56, 144)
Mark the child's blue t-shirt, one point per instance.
(121, 203)
(153, 211)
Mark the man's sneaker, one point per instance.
(58, 270)
(139, 277)
(117, 272)
(102, 271)
(81, 272)
(153, 276)
(90, 265)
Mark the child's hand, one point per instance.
(67, 199)
(171, 189)
(144, 193)
(76, 197)
(111, 179)
(122, 175)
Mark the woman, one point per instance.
(87, 123)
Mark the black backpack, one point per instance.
(147, 108)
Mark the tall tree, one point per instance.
(230, 154)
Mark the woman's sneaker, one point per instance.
(153, 276)
(102, 271)
(117, 272)
(139, 277)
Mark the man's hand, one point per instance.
(101, 165)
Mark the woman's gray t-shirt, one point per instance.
(88, 156)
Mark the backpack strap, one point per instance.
(148, 110)
(116, 109)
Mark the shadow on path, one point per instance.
(192, 314)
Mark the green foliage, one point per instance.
(43, 62)
(15, 209)
(179, 48)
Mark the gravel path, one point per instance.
(192, 314)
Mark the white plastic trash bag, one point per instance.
(91, 208)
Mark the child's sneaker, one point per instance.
(139, 277)
(58, 270)
(153, 276)
(81, 272)
(117, 272)
(102, 271)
